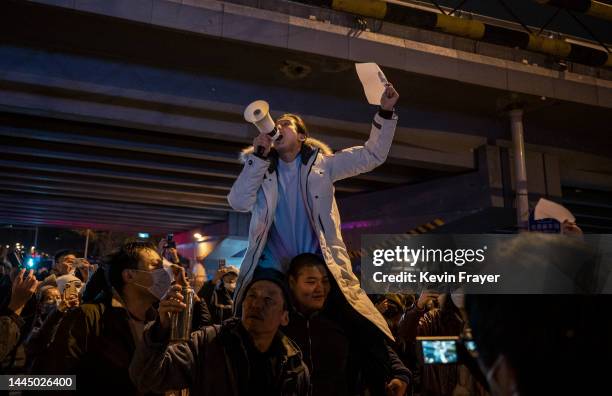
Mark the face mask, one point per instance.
(229, 286)
(161, 282)
(47, 308)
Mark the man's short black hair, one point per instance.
(127, 257)
(64, 252)
(302, 261)
(274, 276)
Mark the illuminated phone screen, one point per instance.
(439, 351)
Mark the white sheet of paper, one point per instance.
(373, 81)
(546, 209)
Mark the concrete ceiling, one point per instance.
(110, 124)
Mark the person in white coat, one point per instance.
(288, 188)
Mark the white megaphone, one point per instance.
(258, 113)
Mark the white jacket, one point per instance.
(256, 191)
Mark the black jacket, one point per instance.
(96, 342)
(219, 360)
(219, 301)
(344, 352)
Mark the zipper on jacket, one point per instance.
(311, 214)
(309, 346)
(321, 223)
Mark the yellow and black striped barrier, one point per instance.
(422, 229)
(427, 227)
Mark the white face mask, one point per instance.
(229, 286)
(161, 282)
(458, 300)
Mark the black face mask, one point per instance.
(47, 308)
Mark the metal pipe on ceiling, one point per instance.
(404, 14)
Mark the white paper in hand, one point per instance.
(546, 209)
(373, 81)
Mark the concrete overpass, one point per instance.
(127, 115)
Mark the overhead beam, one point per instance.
(113, 172)
(13, 210)
(32, 178)
(119, 158)
(102, 137)
(48, 222)
(197, 122)
(146, 194)
(121, 207)
(113, 198)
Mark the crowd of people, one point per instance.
(296, 333)
(293, 319)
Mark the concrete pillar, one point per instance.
(520, 169)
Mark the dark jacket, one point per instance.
(10, 332)
(219, 361)
(433, 380)
(219, 301)
(339, 358)
(325, 347)
(96, 342)
(42, 334)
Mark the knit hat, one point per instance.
(231, 269)
(272, 275)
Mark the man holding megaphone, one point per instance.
(287, 185)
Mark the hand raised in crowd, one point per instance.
(263, 140)
(65, 265)
(389, 98)
(24, 286)
(172, 255)
(571, 228)
(396, 387)
(178, 274)
(172, 302)
(85, 268)
(69, 301)
(218, 275)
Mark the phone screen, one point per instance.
(470, 345)
(439, 351)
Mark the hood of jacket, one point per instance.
(308, 148)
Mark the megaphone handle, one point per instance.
(259, 151)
